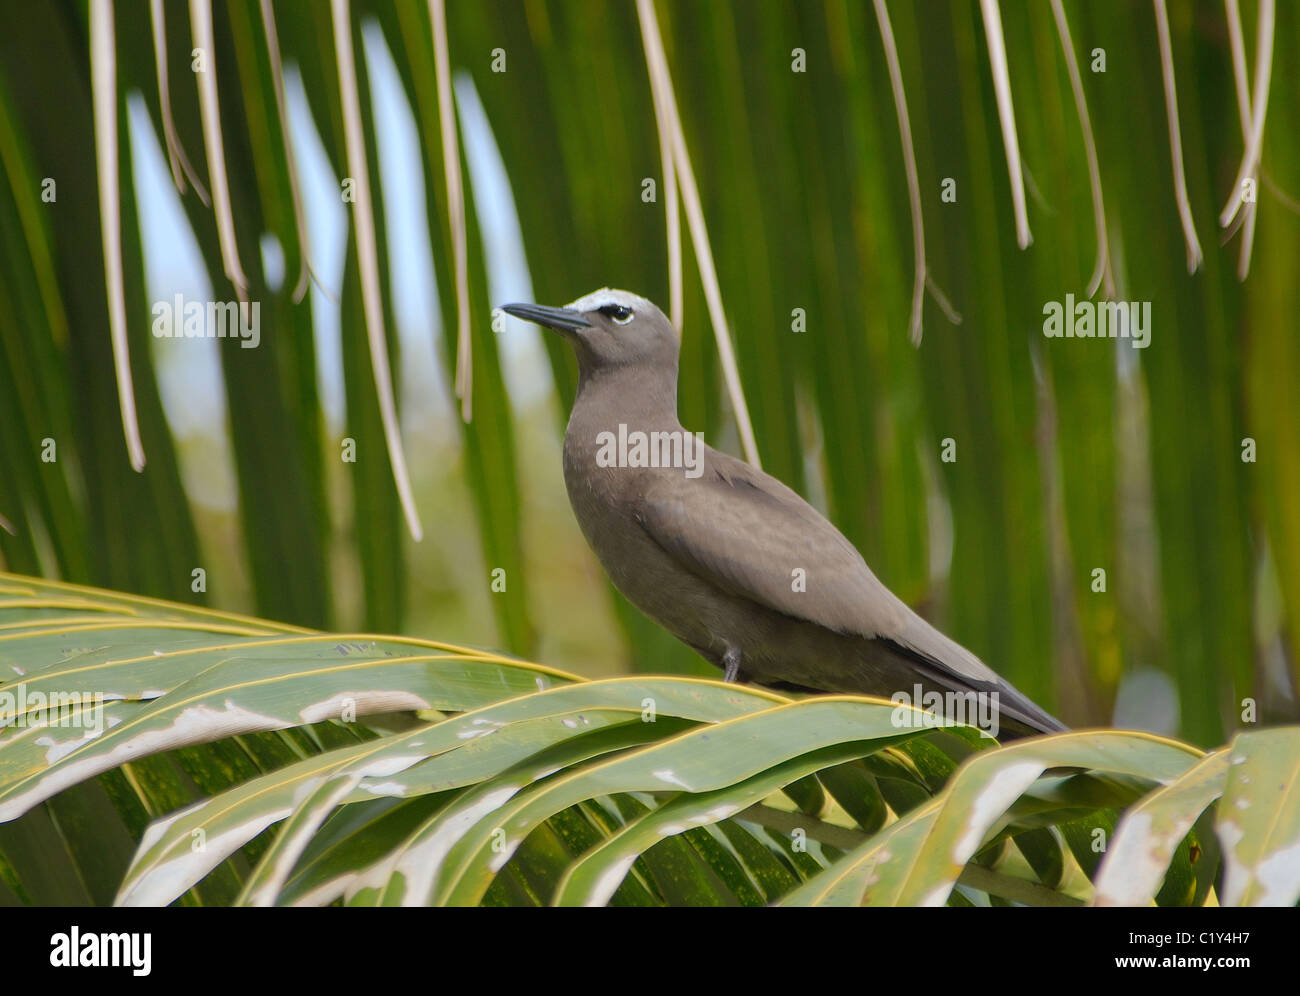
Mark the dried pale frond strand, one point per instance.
(103, 70)
(368, 259)
(699, 232)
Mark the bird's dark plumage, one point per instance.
(726, 557)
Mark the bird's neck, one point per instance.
(617, 409)
(638, 396)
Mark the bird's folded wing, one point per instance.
(750, 535)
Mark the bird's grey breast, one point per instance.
(607, 500)
(603, 493)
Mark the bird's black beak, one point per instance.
(563, 319)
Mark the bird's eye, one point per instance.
(620, 314)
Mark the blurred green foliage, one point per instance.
(1072, 456)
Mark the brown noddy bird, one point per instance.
(725, 557)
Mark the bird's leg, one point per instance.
(731, 665)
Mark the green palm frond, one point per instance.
(423, 773)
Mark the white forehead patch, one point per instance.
(607, 296)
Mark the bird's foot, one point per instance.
(731, 666)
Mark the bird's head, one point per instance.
(609, 328)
